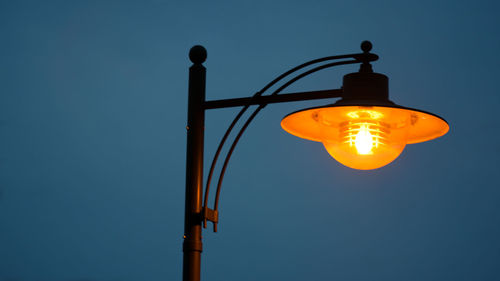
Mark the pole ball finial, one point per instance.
(198, 54)
(366, 46)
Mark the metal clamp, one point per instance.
(210, 215)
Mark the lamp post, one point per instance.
(363, 130)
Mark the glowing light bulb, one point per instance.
(363, 138)
(364, 141)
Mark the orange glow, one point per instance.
(364, 137)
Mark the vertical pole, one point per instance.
(192, 245)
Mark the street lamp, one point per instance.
(363, 130)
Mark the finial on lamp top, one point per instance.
(366, 46)
(198, 54)
(366, 57)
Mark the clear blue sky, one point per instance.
(93, 99)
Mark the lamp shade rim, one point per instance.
(426, 125)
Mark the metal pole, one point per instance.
(192, 246)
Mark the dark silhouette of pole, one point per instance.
(192, 246)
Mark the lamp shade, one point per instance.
(364, 131)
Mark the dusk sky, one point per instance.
(93, 107)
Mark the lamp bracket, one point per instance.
(210, 215)
(275, 97)
(264, 100)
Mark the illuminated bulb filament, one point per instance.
(363, 141)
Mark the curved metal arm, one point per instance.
(364, 58)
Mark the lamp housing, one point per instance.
(365, 130)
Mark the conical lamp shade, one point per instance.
(365, 137)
